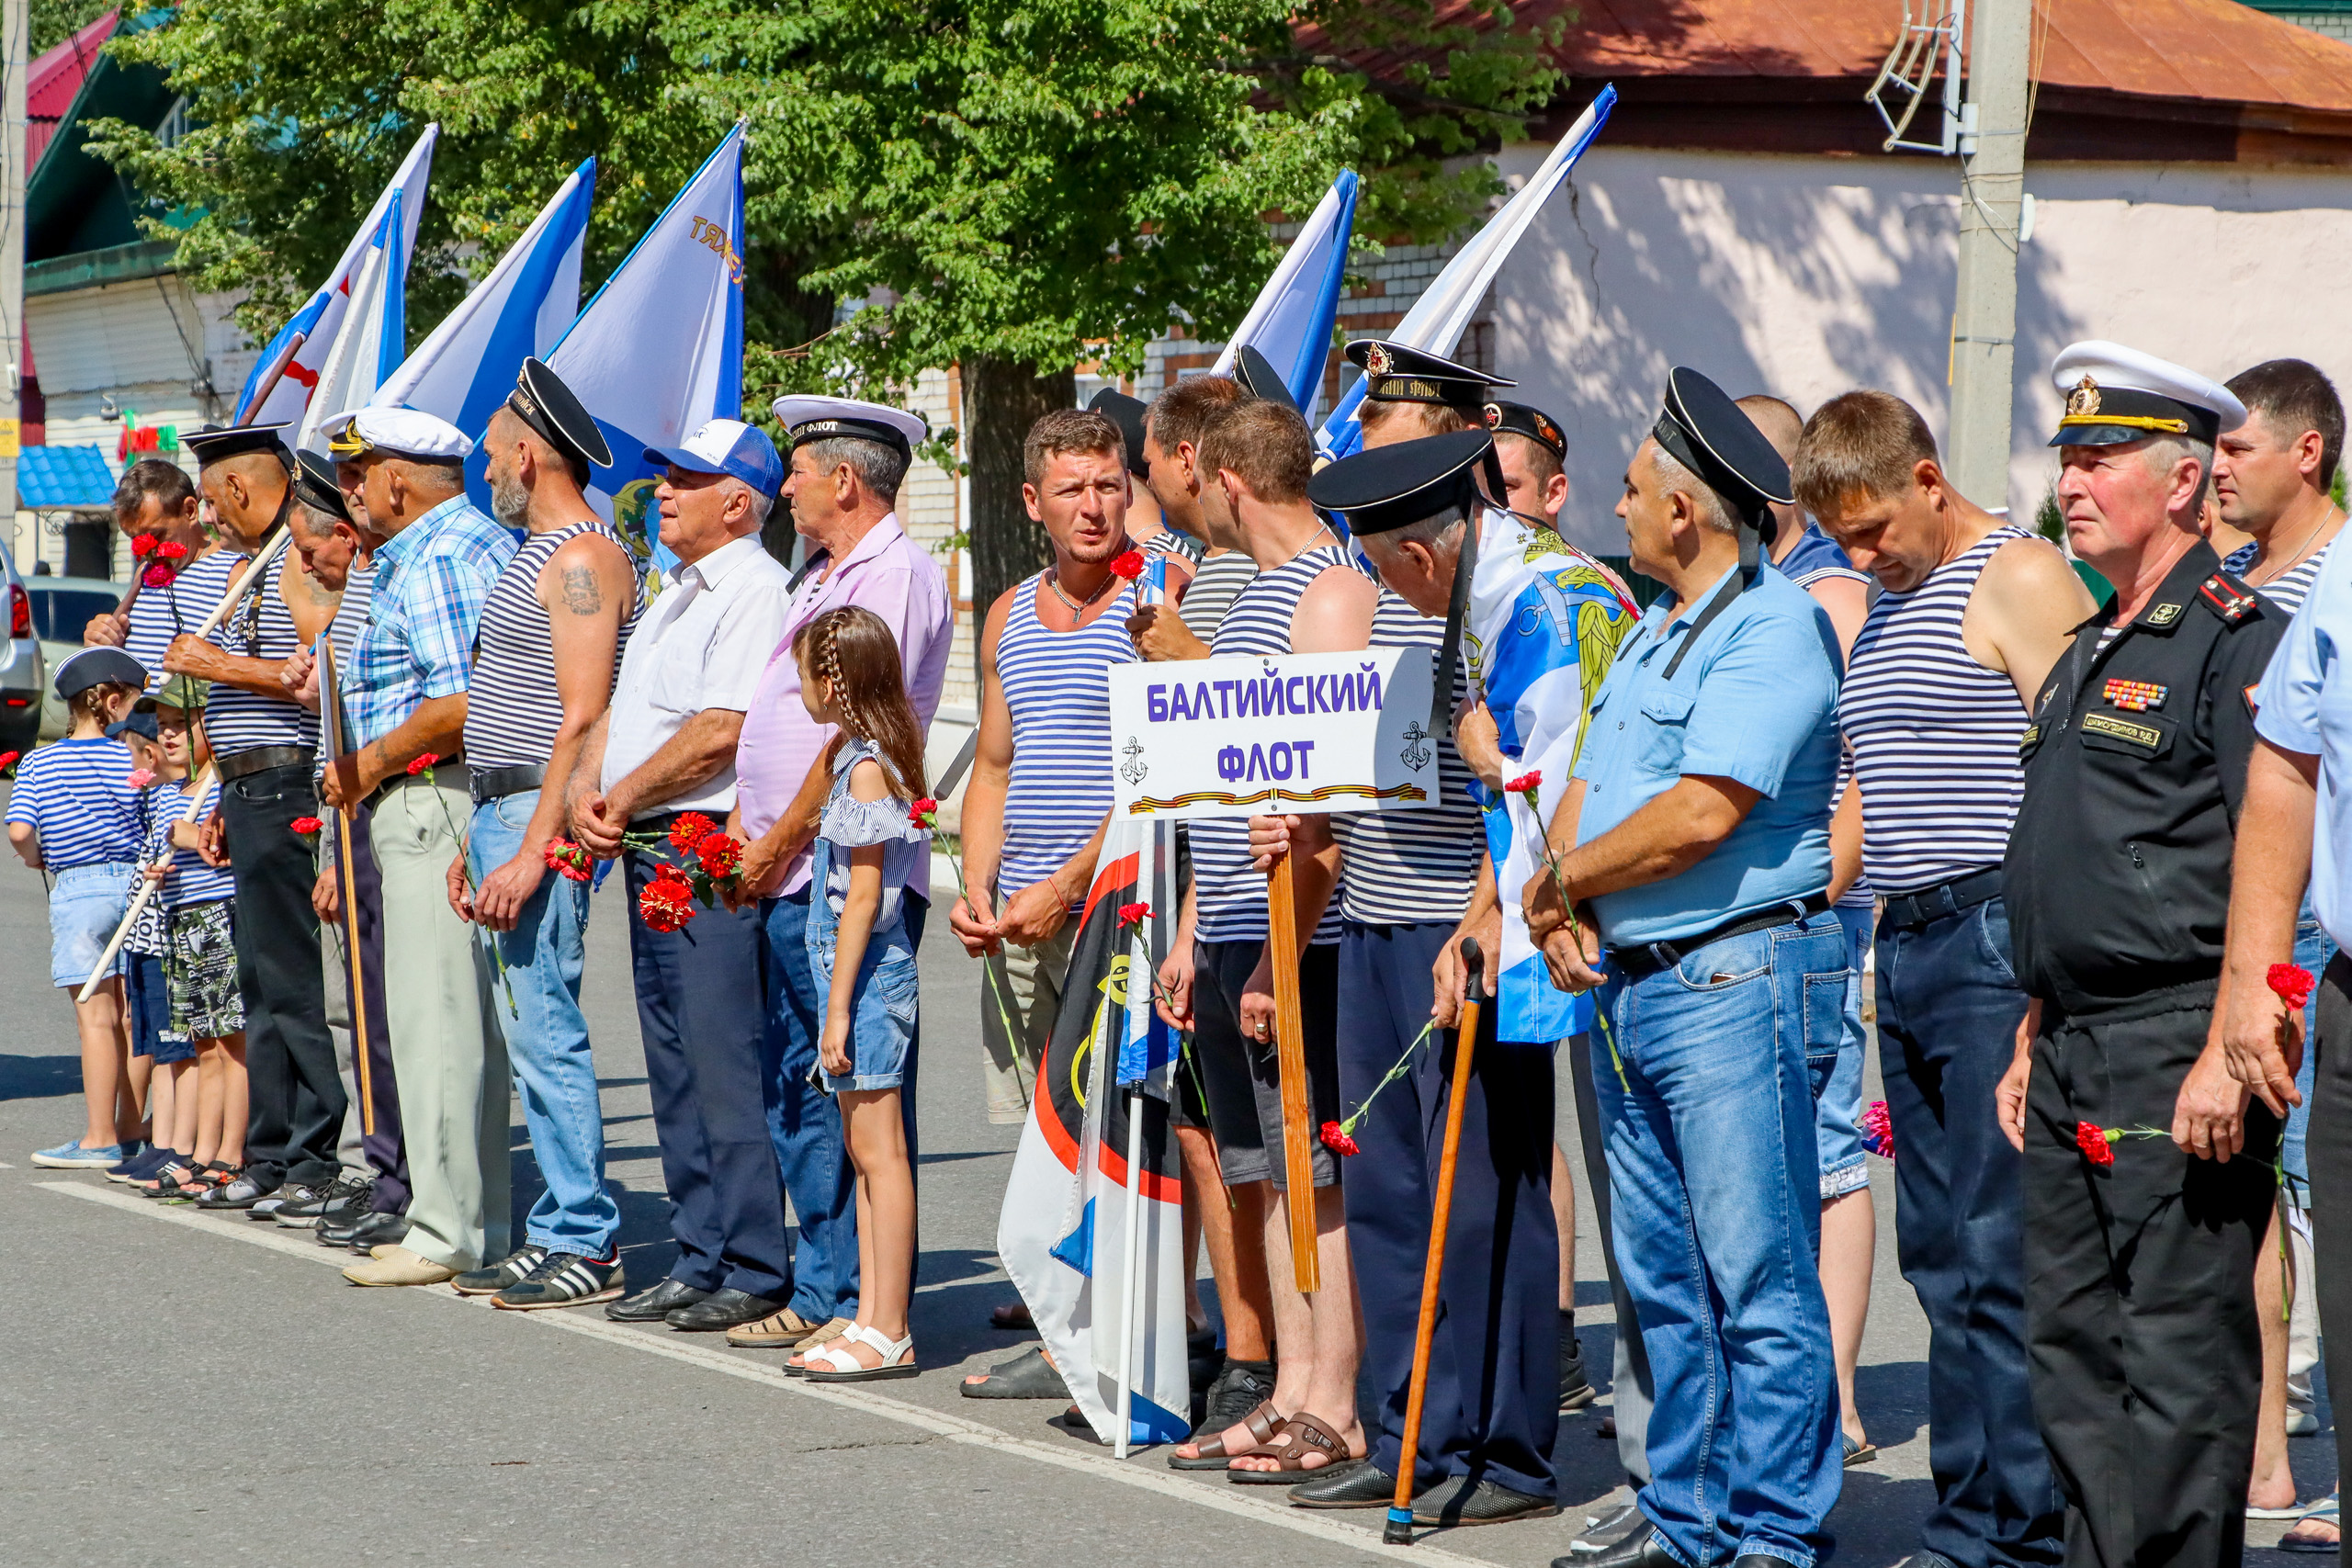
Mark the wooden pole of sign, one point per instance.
(1398, 1530)
(1290, 1043)
(331, 687)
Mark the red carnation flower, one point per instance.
(924, 813)
(1128, 566)
(1133, 914)
(2094, 1143)
(7, 762)
(1878, 1130)
(665, 906)
(719, 855)
(1525, 783)
(308, 827)
(1336, 1139)
(422, 764)
(564, 856)
(2292, 982)
(687, 832)
(144, 545)
(172, 549)
(157, 575)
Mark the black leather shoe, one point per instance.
(1362, 1484)
(720, 1309)
(1640, 1549)
(1454, 1504)
(361, 1232)
(652, 1305)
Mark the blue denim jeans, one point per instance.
(1837, 1076)
(546, 1039)
(2313, 948)
(1707, 1106)
(1949, 1008)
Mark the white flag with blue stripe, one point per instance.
(464, 370)
(286, 374)
(1291, 322)
(1442, 313)
(374, 335)
(659, 352)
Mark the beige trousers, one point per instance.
(1029, 979)
(448, 1059)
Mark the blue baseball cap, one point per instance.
(727, 446)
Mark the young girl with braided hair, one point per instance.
(868, 845)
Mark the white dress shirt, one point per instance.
(703, 645)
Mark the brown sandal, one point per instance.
(1299, 1436)
(1261, 1423)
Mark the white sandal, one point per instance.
(830, 1365)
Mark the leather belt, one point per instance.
(1911, 910)
(377, 795)
(495, 784)
(1652, 956)
(260, 760)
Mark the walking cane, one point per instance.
(1398, 1531)
(347, 814)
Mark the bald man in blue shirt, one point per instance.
(1693, 843)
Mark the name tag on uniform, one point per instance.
(2122, 729)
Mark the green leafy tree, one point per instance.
(54, 21)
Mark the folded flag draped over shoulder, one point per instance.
(1063, 1233)
(1438, 317)
(465, 369)
(374, 334)
(286, 374)
(1291, 322)
(659, 352)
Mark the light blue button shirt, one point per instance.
(1756, 701)
(2304, 704)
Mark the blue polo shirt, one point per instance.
(2304, 704)
(1755, 701)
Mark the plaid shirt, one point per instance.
(431, 580)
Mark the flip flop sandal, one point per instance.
(2326, 1513)
(1858, 1453)
(1299, 1436)
(840, 1366)
(1027, 1376)
(1262, 1423)
(2292, 1511)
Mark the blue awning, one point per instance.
(63, 476)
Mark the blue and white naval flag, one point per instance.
(1064, 1232)
(373, 337)
(1291, 322)
(464, 370)
(286, 374)
(1442, 313)
(659, 352)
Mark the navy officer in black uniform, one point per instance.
(2139, 1247)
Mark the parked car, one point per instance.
(24, 673)
(59, 608)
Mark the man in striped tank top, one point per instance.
(1972, 614)
(263, 744)
(1173, 427)
(157, 499)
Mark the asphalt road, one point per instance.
(177, 1388)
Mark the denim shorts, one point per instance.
(1838, 1076)
(85, 905)
(147, 1002)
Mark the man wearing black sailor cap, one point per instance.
(2139, 1246)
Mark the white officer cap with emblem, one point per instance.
(398, 432)
(810, 417)
(2116, 394)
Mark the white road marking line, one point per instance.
(956, 1428)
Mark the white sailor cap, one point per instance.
(809, 417)
(401, 431)
(2116, 394)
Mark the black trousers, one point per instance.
(711, 1062)
(381, 1135)
(1492, 1410)
(298, 1100)
(2147, 1352)
(2329, 1150)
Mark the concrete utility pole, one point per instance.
(15, 24)
(1983, 348)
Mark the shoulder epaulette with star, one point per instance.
(2228, 598)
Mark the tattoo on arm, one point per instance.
(581, 595)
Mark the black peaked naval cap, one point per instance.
(1394, 373)
(541, 401)
(314, 484)
(1126, 412)
(1260, 380)
(1396, 486)
(1519, 419)
(1713, 437)
(88, 667)
(217, 443)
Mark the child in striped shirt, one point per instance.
(73, 815)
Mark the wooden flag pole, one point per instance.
(1290, 1041)
(331, 692)
(1398, 1530)
(261, 562)
(139, 902)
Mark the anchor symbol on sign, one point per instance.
(1133, 770)
(1415, 755)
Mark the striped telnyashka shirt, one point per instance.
(164, 611)
(512, 709)
(1057, 686)
(1402, 867)
(2290, 587)
(1934, 734)
(260, 627)
(1230, 896)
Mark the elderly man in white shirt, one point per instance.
(666, 748)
